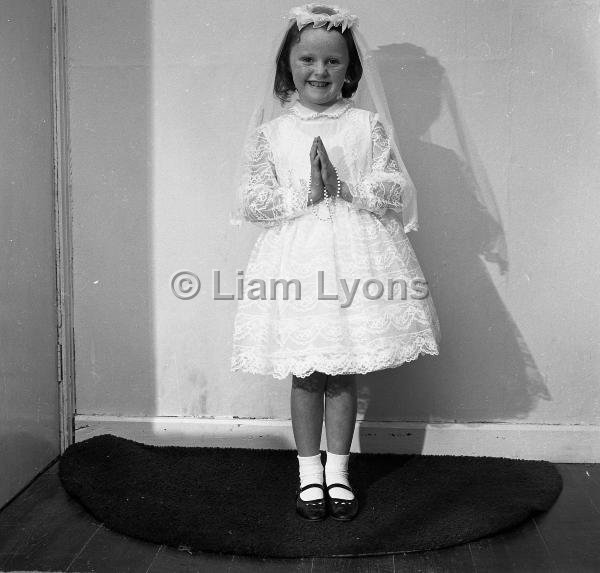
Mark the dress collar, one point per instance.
(333, 111)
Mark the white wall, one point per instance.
(158, 94)
(29, 418)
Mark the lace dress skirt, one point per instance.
(357, 300)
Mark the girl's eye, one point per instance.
(306, 59)
(334, 61)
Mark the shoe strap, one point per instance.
(340, 485)
(312, 485)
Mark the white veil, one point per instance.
(369, 95)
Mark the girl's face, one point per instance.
(318, 63)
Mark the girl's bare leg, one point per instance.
(307, 412)
(340, 419)
(340, 412)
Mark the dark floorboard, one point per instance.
(43, 529)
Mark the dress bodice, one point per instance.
(344, 130)
(277, 171)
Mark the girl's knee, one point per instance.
(315, 382)
(344, 383)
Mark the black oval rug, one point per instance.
(233, 500)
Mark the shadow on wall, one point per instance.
(485, 371)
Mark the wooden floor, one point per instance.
(43, 529)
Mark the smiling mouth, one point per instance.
(318, 84)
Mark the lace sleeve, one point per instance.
(382, 188)
(265, 201)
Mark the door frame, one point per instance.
(65, 347)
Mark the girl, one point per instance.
(325, 181)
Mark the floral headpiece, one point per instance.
(304, 15)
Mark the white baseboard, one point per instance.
(552, 442)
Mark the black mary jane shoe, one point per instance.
(313, 510)
(342, 509)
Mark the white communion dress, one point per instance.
(320, 324)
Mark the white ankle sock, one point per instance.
(336, 471)
(311, 471)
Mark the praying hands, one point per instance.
(328, 173)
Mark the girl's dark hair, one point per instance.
(284, 83)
